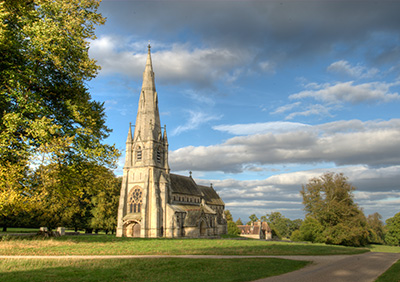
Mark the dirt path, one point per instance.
(361, 268)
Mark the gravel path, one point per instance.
(355, 268)
(349, 268)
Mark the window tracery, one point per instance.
(135, 200)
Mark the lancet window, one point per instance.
(139, 153)
(158, 155)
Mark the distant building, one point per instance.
(257, 230)
(153, 202)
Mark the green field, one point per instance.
(392, 274)
(165, 269)
(384, 248)
(168, 269)
(111, 245)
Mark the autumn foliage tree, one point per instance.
(375, 228)
(329, 201)
(47, 116)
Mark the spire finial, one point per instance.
(149, 47)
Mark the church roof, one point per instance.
(184, 185)
(210, 195)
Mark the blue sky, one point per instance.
(260, 96)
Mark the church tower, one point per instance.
(144, 190)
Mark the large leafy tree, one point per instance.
(47, 115)
(89, 201)
(375, 228)
(392, 228)
(105, 203)
(329, 199)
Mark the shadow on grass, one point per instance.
(165, 269)
(111, 245)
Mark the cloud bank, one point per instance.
(373, 143)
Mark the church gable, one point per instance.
(210, 195)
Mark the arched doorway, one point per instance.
(132, 229)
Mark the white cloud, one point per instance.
(349, 92)
(175, 63)
(260, 128)
(375, 188)
(196, 119)
(286, 108)
(373, 143)
(267, 66)
(344, 68)
(317, 109)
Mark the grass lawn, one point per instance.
(19, 230)
(111, 245)
(164, 269)
(391, 275)
(384, 248)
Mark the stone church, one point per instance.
(154, 202)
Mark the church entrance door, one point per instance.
(136, 230)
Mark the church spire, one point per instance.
(148, 74)
(148, 117)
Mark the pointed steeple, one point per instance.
(148, 74)
(148, 117)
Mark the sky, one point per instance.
(258, 97)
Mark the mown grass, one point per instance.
(19, 230)
(391, 275)
(384, 248)
(164, 269)
(111, 245)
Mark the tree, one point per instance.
(105, 205)
(329, 200)
(392, 229)
(232, 227)
(46, 112)
(253, 218)
(239, 222)
(228, 215)
(280, 225)
(64, 193)
(375, 228)
(310, 230)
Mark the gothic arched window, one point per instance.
(135, 200)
